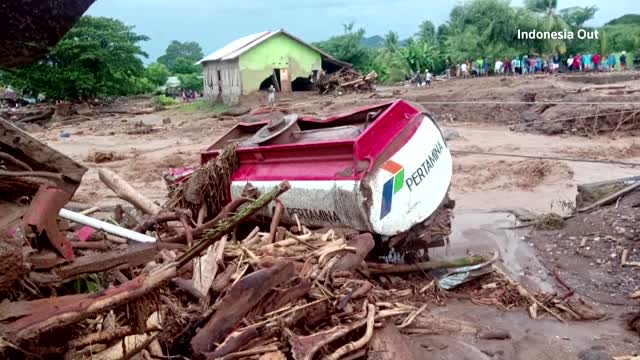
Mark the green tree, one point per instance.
(157, 74)
(347, 47)
(391, 43)
(549, 20)
(577, 16)
(547, 7)
(98, 57)
(389, 63)
(422, 55)
(185, 66)
(191, 81)
(189, 50)
(426, 32)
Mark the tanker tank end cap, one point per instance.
(274, 128)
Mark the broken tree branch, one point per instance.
(275, 221)
(225, 225)
(377, 268)
(126, 192)
(356, 345)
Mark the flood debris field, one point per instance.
(551, 272)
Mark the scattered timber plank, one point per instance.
(238, 301)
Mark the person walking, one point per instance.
(271, 97)
(428, 77)
(623, 61)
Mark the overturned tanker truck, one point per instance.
(384, 169)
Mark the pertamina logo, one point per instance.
(392, 186)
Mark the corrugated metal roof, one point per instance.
(244, 44)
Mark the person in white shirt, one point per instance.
(498, 67)
(465, 70)
(428, 78)
(569, 62)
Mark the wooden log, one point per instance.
(53, 313)
(126, 192)
(45, 115)
(611, 198)
(280, 297)
(377, 268)
(238, 301)
(156, 219)
(104, 336)
(348, 261)
(91, 245)
(275, 221)
(223, 279)
(132, 257)
(388, 344)
(236, 341)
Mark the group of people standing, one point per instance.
(525, 64)
(420, 80)
(596, 62)
(189, 95)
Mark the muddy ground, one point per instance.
(486, 190)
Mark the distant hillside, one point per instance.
(625, 19)
(377, 41)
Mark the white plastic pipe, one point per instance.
(105, 226)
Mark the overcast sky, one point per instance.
(213, 23)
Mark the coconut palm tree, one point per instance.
(550, 21)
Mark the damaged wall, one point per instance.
(278, 52)
(222, 81)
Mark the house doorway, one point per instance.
(273, 79)
(285, 80)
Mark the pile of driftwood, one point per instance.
(197, 278)
(346, 80)
(68, 112)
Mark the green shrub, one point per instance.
(164, 101)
